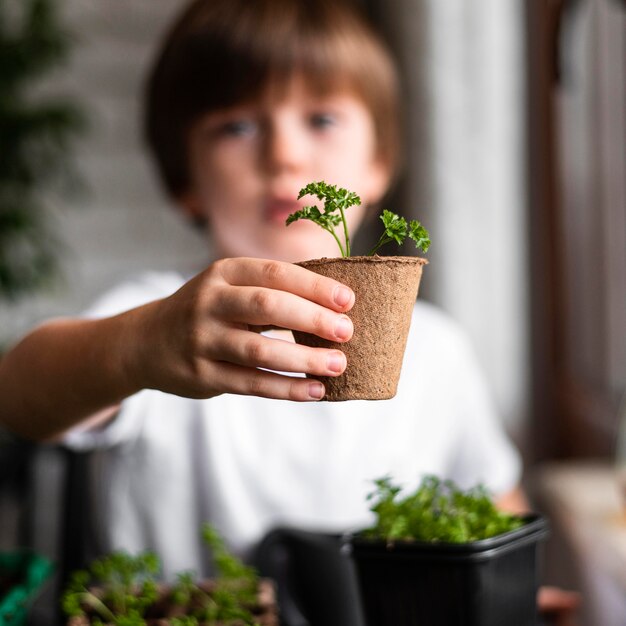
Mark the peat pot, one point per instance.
(386, 289)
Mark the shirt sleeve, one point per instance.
(134, 292)
(123, 428)
(126, 425)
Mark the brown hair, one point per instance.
(225, 52)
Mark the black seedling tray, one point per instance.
(491, 582)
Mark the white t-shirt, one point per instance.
(167, 464)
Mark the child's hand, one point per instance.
(202, 340)
(558, 607)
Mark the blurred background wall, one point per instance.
(464, 72)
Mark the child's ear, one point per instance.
(377, 183)
(190, 206)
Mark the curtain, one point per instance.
(462, 62)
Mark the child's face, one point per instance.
(248, 164)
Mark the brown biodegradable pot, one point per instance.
(386, 289)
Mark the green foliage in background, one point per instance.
(36, 132)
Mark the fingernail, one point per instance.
(336, 362)
(342, 296)
(316, 391)
(343, 328)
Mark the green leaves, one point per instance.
(437, 511)
(185, 620)
(332, 197)
(126, 589)
(237, 583)
(395, 226)
(419, 235)
(337, 200)
(325, 220)
(228, 566)
(397, 229)
(37, 131)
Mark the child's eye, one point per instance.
(238, 128)
(322, 120)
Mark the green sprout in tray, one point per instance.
(121, 589)
(437, 511)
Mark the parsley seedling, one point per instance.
(236, 585)
(125, 590)
(333, 214)
(437, 511)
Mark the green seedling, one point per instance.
(333, 215)
(438, 511)
(235, 589)
(120, 589)
(126, 588)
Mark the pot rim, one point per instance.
(365, 259)
(535, 529)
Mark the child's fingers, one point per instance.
(253, 382)
(251, 350)
(287, 277)
(259, 306)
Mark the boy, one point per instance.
(168, 378)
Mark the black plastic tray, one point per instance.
(491, 582)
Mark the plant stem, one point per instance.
(381, 242)
(341, 248)
(345, 232)
(95, 603)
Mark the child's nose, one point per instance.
(285, 149)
